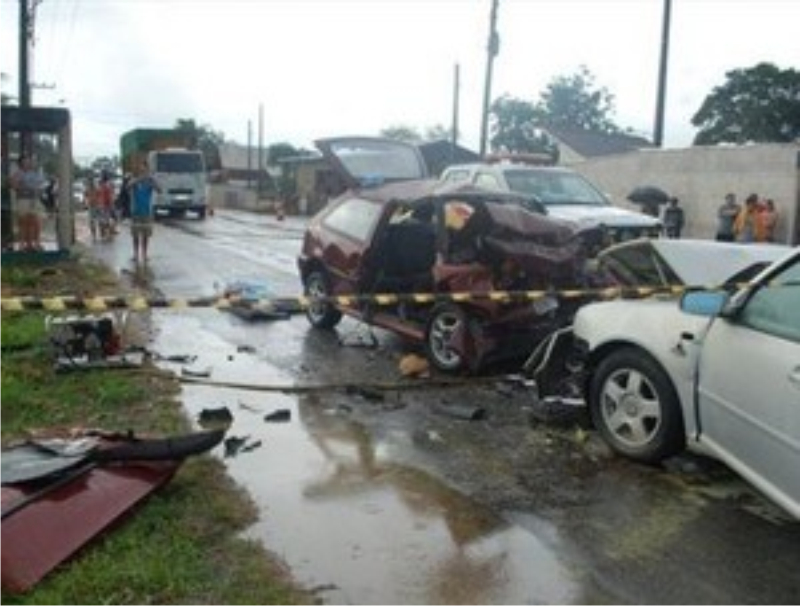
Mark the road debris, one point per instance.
(279, 416)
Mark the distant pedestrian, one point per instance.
(123, 201)
(769, 218)
(673, 219)
(726, 216)
(50, 196)
(142, 217)
(28, 184)
(106, 195)
(748, 226)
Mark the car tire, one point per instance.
(321, 314)
(634, 406)
(444, 321)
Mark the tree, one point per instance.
(205, 139)
(759, 104)
(574, 102)
(519, 126)
(513, 126)
(401, 132)
(437, 132)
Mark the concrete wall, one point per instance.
(701, 176)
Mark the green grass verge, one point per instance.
(182, 545)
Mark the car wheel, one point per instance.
(321, 314)
(634, 406)
(444, 324)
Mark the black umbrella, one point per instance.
(649, 194)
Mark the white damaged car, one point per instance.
(716, 370)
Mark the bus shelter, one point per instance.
(20, 127)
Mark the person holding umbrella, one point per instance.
(673, 219)
(650, 198)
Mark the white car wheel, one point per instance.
(634, 406)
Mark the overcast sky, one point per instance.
(336, 67)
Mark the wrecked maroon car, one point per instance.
(431, 264)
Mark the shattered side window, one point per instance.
(638, 266)
(355, 218)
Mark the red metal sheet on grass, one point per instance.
(47, 531)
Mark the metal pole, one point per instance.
(249, 153)
(260, 147)
(24, 47)
(454, 135)
(658, 133)
(492, 48)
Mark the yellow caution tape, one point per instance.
(301, 302)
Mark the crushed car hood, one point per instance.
(590, 215)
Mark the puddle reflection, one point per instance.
(351, 521)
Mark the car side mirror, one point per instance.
(703, 302)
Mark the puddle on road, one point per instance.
(346, 518)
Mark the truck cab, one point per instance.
(181, 175)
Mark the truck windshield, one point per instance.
(554, 187)
(179, 163)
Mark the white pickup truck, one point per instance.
(561, 193)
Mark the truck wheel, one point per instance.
(321, 314)
(201, 214)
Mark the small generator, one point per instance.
(83, 337)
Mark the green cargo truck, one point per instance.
(179, 170)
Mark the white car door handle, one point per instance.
(794, 377)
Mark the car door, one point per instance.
(748, 394)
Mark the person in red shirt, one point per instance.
(108, 225)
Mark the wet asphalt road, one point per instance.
(373, 493)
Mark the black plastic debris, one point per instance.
(279, 416)
(215, 416)
(373, 395)
(196, 372)
(233, 445)
(468, 412)
(239, 445)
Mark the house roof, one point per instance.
(591, 144)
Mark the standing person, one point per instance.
(123, 201)
(91, 196)
(141, 198)
(769, 218)
(106, 193)
(27, 183)
(748, 226)
(673, 219)
(50, 196)
(726, 216)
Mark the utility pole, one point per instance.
(25, 35)
(249, 152)
(658, 132)
(492, 48)
(456, 86)
(260, 148)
